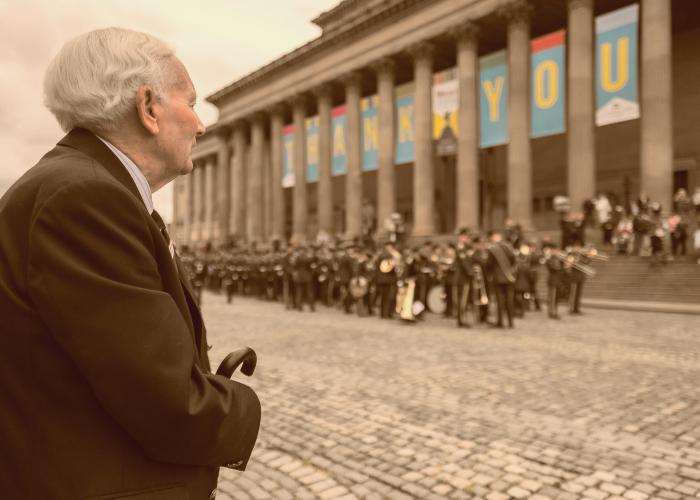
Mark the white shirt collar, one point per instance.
(136, 174)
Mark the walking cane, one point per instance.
(245, 356)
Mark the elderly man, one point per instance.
(105, 385)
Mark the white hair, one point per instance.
(92, 81)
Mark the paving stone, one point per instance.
(332, 493)
(635, 495)
(517, 492)
(316, 477)
(497, 496)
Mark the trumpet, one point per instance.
(480, 285)
(571, 260)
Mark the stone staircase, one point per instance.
(636, 279)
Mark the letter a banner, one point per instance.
(288, 143)
(548, 85)
(493, 107)
(616, 66)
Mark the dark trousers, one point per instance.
(552, 301)
(385, 299)
(504, 302)
(304, 293)
(464, 303)
(449, 301)
(575, 294)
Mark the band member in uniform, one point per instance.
(480, 259)
(385, 279)
(289, 290)
(522, 281)
(501, 269)
(448, 275)
(555, 268)
(464, 275)
(536, 260)
(347, 264)
(303, 274)
(367, 271)
(578, 278)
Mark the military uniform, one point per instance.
(386, 281)
(464, 275)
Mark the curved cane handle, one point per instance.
(244, 355)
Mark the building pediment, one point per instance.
(347, 12)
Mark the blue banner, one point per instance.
(404, 123)
(548, 85)
(616, 66)
(312, 149)
(493, 105)
(288, 167)
(370, 132)
(339, 140)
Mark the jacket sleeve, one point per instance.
(94, 279)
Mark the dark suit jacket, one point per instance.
(105, 385)
(302, 269)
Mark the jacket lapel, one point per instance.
(86, 142)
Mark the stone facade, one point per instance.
(371, 47)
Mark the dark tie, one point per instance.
(161, 225)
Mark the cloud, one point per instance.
(219, 41)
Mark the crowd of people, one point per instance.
(640, 229)
(473, 279)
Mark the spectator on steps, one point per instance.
(603, 207)
(696, 202)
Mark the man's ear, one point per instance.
(148, 109)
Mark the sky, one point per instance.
(219, 41)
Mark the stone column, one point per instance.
(238, 180)
(198, 201)
(276, 165)
(187, 201)
(386, 185)
(423, 180)
(209, 198)
(581, 104)
(300, 210)
(353, 158)
(656, 110)
(224, 184)
(267, 191)
(255, 193)
(518, 14)
(325, 157)
(468, 126)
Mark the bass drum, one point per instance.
(436, 299)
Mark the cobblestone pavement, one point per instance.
(601, 407)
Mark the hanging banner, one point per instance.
(445, 109)
(339, 140)
(616, 66)
(548, 66)
(370, 132)
(288, 171)
(404, 123)
(493, 104)
(312, 149)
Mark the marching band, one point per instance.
(477, 280)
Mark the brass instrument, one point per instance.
(387, 265)
(407, 303)
(570, 260)
(480, 284)
(591, 253)
(359, 286)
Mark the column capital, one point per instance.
(421, 51)
(385, 65)
(299, 100)
(517, 11)
(580, 4)
(351, 79)
(257, 118)
(276, 109)
(466, 33)
(323, 91)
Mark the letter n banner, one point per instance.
(548, 85)
(493, 103)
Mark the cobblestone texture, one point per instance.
(601, 407)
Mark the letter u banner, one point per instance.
(616, 65)
(493, 107)
(548, 85)
(288, 168)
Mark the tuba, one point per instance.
(481, 298)
(407, 302)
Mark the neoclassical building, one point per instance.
(453, 113)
